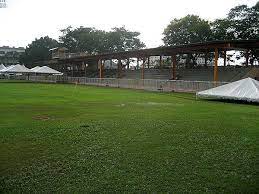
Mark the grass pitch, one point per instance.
(67, 138)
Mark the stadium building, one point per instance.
(209, 61)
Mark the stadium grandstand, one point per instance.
(194, 62)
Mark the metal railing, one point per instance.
(146, 84)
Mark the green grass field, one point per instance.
(68, 139)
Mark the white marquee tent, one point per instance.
(16, 69)
(246, 89)
(45, 70)
(2, 67)
(34, 69)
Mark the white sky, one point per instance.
(24, 20)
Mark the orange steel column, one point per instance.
(174, 62)
(216, 65)
(143, 69)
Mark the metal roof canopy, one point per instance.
(168, 51)
(215, 46)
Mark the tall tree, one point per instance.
(91, 40)
(120, 39)
(245, 22)
(242, 22)
(221, 29)
(83, 39)
(189, 29)
(38, 50)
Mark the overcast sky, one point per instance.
(24, 20)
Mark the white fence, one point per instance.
(146, 84)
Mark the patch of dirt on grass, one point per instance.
(41, 117)
(84, 126)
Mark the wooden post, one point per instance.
(247, 58)
(103, 67)
(143, 69)
(128, 62)
(100, 68)
(84, 67)
(225, 57)
(72, 70)
(206, 58)
(174, 63)
(137, 63)
(148, 62)
(216, 64)
(75, 70)
(63, 68)
(160, 61)
(119, 68)
(110, 63)
(66, 69)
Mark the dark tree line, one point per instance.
(83, 39)
(92, 40)
(241, 23)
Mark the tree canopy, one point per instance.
(242, 22)
(186, 30)
(83, 39)
(38, 50)
(120, 39)
(91, 40)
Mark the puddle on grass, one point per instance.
(159, 104)
(151, 104)
(120, 105)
